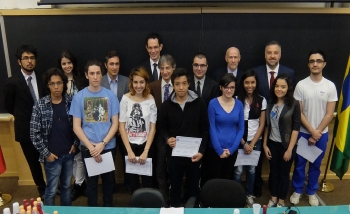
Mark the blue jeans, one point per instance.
(60, 170)
(108, 181)
(250, 172)
(314, 172)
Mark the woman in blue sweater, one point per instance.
(226, 117)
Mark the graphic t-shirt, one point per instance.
(137, 117)
(95, 109)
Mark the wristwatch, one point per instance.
(104, 143)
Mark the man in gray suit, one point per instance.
(119, 84)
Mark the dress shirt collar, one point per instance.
(232, 72)
(275, 70)
(110, 80)
(163, 83)
(196, 80)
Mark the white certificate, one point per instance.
(137, 168)
(94, 168)
(247, 160)
(186, 146)
(308, 152)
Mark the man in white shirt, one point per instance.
(317, 97)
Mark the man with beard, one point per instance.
(21, 92)
(266, 75)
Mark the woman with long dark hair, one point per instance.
(254, 124)
(280, 136)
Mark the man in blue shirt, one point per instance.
(52, 135)
(95, 121)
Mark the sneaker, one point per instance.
(271, 204)
(294, 198)
(280, 205)
(250, 201)
(313, 201)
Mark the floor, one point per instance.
(340, 195)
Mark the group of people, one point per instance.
(255, 110)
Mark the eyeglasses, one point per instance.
(229, 88)
(318, 61)
(199, 65)
(26, 58)
(55, 83)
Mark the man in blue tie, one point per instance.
(153, 46)
(161, 90)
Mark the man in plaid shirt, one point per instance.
(51, 132)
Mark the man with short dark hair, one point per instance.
(51, 131)
(21, 91)
(154, 46)
(95, 121)
(183, 114)
(206, 88)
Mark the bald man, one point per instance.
(232, 59)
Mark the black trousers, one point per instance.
(32, 156)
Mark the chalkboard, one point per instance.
(91, 36)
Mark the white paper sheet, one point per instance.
(247, 160)
(186, 146)
(94, 168)
(308, 152)
(172, 210)
(138, 169)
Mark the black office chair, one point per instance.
(221, 193)
(147, 198)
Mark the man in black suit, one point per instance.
(21, 92)
(232, 57)
(205, 87)
(266, 74)
(153, 46)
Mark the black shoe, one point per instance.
(77, 191)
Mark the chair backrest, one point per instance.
(147, 198)
(222, 193)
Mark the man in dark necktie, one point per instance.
(21, 91)
(205, 87)
(153, 46)
(266, 74)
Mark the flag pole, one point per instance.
(325, 185)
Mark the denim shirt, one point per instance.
(41, 124)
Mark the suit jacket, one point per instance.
(19, 102)
(210, 89)
(146, 64)
(123, 85)
(156, 91)
(218, 74)
(264, 86)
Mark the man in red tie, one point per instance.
(266, 75)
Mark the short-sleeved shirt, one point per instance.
(314, 98)
(137, 117)
(252, 118)
(275, 134)
(95, 109)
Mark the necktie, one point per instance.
(31, 89)
(155, 72)
(199, 88)
(272, 78)
(166, 92)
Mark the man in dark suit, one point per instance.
(119, 84)
(266, 74)
(205, 87)
(161, 90)
(153, 46)
(21, 92)
(232, 57)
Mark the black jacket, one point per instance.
(190, 122)
(290, 120)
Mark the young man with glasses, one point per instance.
(51, 131)
(317, 97)
(205, 87)
(21, 91)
